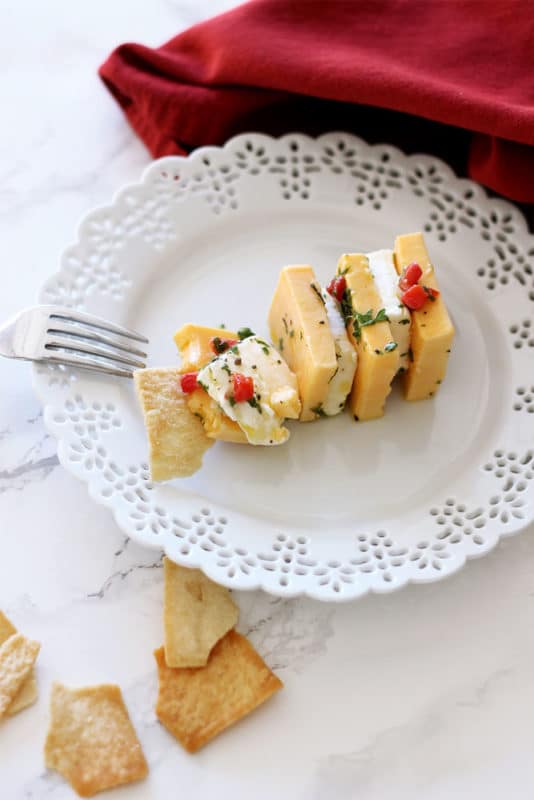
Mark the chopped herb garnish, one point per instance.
(319, 411)
(226, 368)
(202, 385)
(231, 399)
(222, 325)
(405, 321)
(292, 333)
(244, 333)
(254, 366)
(254, 403)
(401, 370)
(281, 344)
(264, 346)
(322, 322)
(317, 292)
(447, 351)
(333, 374)
(343, 271)
(429, 294)
(438, 382)
(234, 349)
(345, 305)
(278, 360)
(364, 320)
(284, 320)
(403, 355)
(300, 335)
(379, 352)
(219, 345)
(390, 346)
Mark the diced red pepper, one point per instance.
(189, 382)
(415, 297)
(337, 287)
(219, 345)
(243, 387)
(431, 293)
(410, 276)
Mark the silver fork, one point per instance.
(56, 335)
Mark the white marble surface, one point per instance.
(426, 694)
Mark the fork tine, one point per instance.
(77, 332)
(70, 315)
(92, 364)
(68, 345)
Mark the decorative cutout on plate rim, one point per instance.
(299, 168)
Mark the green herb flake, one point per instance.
(390, 347)
(317, 292)
(301, 335)
(364, 320)
(202, 385)
(254, 403)
(343, 271)
(319, 411)
(222, 325)
(291, 333)
(245, 333)
(281, 344)
(264, 346)
(404, 322)
(219, 345)
(345, 306)
(226, 368)
(438, 382)
(231, 399)
(278, 360)
(284, 320)
(333, 374)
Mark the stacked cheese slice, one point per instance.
(319, 332)
(334, 347)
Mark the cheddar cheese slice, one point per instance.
(378, 355)
(432, 330)
(300, 331)
(194, 344)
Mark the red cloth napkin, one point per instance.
(281, 65)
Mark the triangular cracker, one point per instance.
(197, 704)
(197, 613)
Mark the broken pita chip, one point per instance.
(176, 438)
(197, 613)
(17, 656)
(27, 694)
(7, 628)
(197, 704)
(91, 741)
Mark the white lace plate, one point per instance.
(343, 508)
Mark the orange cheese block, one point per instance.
(301, 332)
(378, 356)
(432, 331)
(194, 344)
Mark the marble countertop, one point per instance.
(425, 694)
